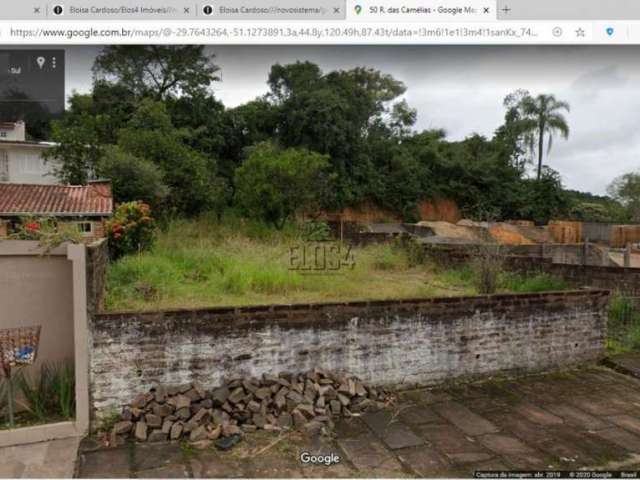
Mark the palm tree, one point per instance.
(542, 116)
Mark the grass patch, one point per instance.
(541, 282)
(108, 420)
(204, 263)
(43, 396)
(623, 327)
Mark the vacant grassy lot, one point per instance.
(239, 262)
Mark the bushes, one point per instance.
(273, 184)
(133, 178)
(131, 230)
(541, 282)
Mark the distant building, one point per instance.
(87, 206)
(21, 160)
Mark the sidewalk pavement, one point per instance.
(54, 459)
(587, 418)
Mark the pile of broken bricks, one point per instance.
(308, 402)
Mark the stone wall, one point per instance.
(390, 343)
(575, 254)
(618, 279)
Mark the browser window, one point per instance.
(332, 238)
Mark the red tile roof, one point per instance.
(18, 199)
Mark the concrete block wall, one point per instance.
(622, 280)
(625, 281)
(392, 343)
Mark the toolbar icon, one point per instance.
(610, 31)
(41, 61)
(358, 9)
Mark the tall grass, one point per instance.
(623, 325)
(37, 391)
(205, 262)
(64, 386)
(506, 281)
(48, 393)
(206, 259)
(541, 282)
(238, 261)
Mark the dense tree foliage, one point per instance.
(274, 184)
(152, 116)
(588, 207)
(626, 189)
(77, 147)
(157, 71)
(190, 175)
(133, 178)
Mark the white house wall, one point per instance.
(26, 165)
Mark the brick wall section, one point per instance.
(372, 238)
(622, 280)
(394, 343)
(559, 253)
(625, 281)
(529, 260)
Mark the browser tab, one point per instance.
(275, 10)
(425, 10)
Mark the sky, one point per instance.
(461, 89)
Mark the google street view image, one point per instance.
(341, 261)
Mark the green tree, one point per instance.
(345, 114)
(543, 199)
(157, 71)
(201, 120)
(273, 184)
(514, 137)
(540, 118)
(591, 212)
(245, 125)
(191, 177)
(475, 173)
(133, 178)
(588, 207)
(76, 152)
(626, 190)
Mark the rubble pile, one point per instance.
(308, 402)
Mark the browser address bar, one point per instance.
(278, 32)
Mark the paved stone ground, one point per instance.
(627, 363)
(588, 418)
(55, 459)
